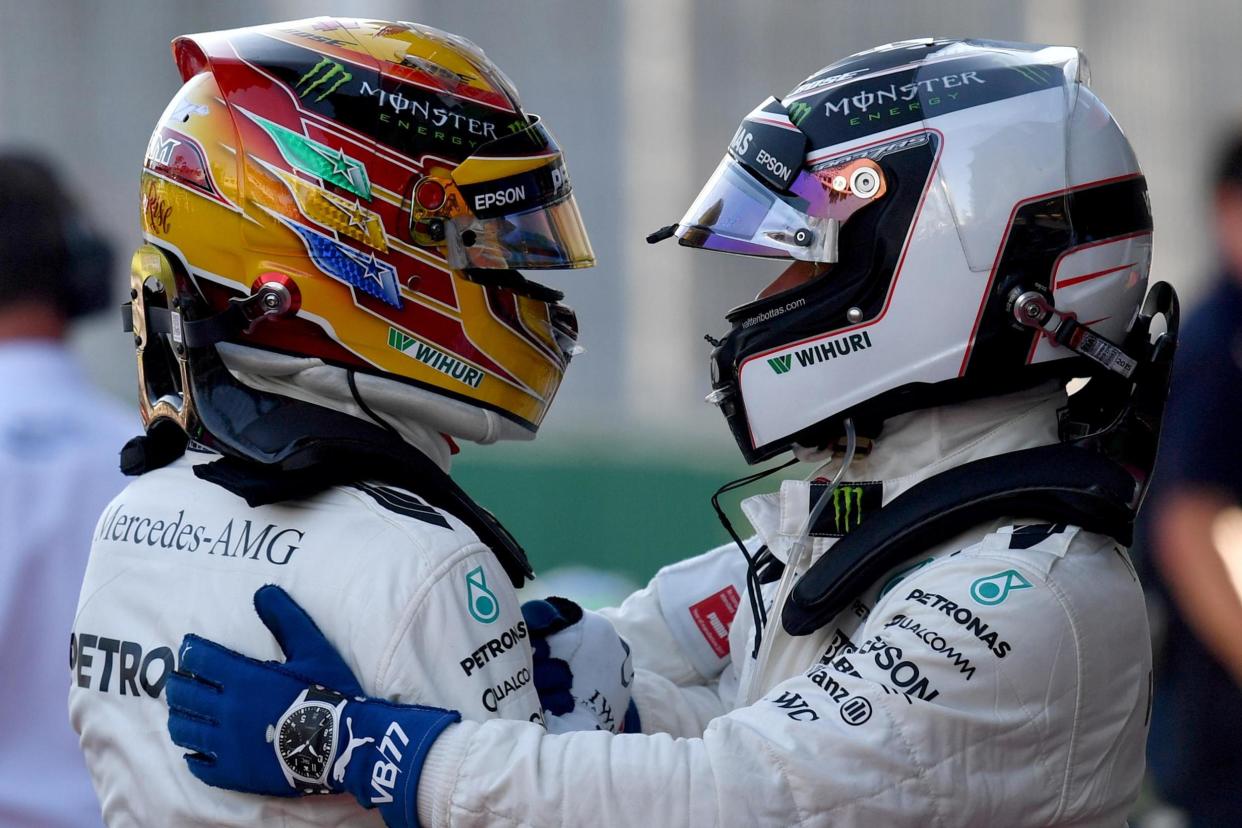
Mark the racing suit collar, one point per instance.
(911, 448)
(430, 443)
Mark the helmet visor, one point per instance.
(737, 213)
(520, 211)
(551, 236)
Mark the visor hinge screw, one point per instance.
(854, 314)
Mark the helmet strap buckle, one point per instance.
(1033, 310)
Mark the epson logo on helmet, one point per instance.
(741, 146)
(770, 163)
(501, 198)
(540, 186)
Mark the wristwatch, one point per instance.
(305, 738)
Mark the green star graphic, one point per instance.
(314, 158)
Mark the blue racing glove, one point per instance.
(582, 668)
(297, 727)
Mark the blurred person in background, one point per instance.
(59, 438)
(1195, 750)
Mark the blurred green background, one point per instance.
(576, 500)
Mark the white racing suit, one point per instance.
(1002, 678)
(421, 611)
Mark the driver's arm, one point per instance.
(677, 629)
(1043, 729)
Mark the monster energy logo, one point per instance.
(798, 112)
(327, 76)
(780, 364)
(847, 504)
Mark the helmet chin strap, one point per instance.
(1033, 310)
(313, 381)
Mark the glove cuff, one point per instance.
(407, 805)
(385, 773)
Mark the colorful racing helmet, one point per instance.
(360, 193)
(949, 219)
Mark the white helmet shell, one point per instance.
(1001, 173)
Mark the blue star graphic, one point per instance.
(342, 262)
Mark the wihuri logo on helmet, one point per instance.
(960, 217)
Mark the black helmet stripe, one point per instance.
(879, 102)
(409, 118)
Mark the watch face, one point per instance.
(306, 738)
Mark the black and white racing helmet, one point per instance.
(960, 218)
